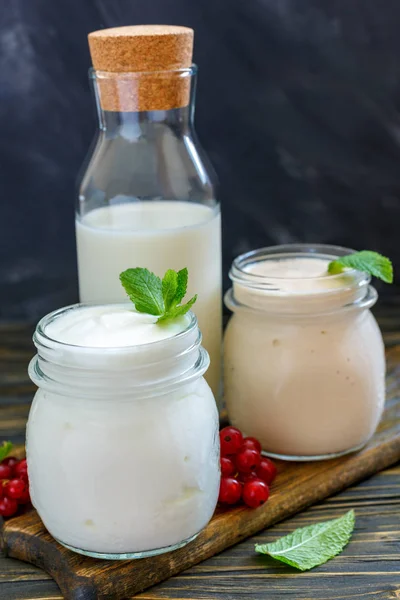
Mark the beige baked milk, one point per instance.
(304, 357)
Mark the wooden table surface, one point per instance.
(368, 568)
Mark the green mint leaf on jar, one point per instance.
(313, 545)
(144, 289)
(182, 282)
(178, 311)
(367, 261)
(161, 298)
(169, 287)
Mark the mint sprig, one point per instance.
(157, 297)
(144, 289)
(312, 546)
(367, 261)
(5, 450)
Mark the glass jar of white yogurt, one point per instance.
(122, 436)
(304, 357)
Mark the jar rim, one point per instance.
(296, 295)
(41, 336)
(239, 274)
(141, 369)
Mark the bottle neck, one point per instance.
(135, 104)
(145, 124)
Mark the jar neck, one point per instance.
(142, 370)
(269, 281)
(306, 308)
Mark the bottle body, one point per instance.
(123, 460)
(147, 199)
(305, 372)
(104, 252)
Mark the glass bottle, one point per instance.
(304, 360)
(147, 196)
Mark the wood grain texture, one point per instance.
(369, 566)
(297, 487)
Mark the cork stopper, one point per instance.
(142, 67)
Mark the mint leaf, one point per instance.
(5, 450)
(182, 285)
(367, 261)
(169, 287)
(144, 289)
(178, 311)
(311, 546)
(155, 297)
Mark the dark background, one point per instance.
(297, 106)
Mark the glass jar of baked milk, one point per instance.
(304, 356)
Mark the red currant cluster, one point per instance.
(14, 485)
(245, 474)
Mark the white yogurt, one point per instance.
(122, 441)
(304, 357)
(112, 327)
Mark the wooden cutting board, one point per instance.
(297, 486)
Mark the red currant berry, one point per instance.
(227, 466)
(8, 507)
(247, 460)
(15, 488)
(251, 444)
(266, 470)
(10, 461)
(243, 477)
(5, 472)
(230, 490)
(25, 497)
(21, 469)
(255, 493)
(231, 440)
